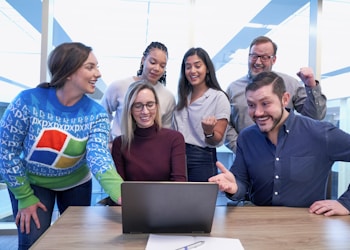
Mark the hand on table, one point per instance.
(328, 208)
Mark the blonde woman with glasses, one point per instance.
(145, 151)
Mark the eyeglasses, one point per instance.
(138, 106)
(263, 58)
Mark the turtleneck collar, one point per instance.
(146, 132)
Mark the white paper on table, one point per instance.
(173, 242)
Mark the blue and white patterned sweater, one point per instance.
(54, 146)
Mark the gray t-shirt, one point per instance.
(188, 120)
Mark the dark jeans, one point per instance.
(77, 196)
(200, 163)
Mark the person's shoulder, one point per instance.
(212, 91)
(129, 79)
(160, 88)
(94, 105)
(122, 82)
(249, 131)
(117, 141)
(307, 125)
(310, 123)
(250, 128)
(242, 81)
(220, 94)
(116, 145)
(171, 133)
(250, 134)
(160, 85)
(36, 92)
(287, 78)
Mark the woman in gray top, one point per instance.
(201, 114)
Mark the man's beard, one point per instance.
(275, 122)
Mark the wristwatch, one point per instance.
(209, 135)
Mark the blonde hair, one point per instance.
(128, 124)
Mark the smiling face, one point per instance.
(154, 65)
(195, 70)
(85, 78)
(266, 109)
(256, 66)
(144, 108)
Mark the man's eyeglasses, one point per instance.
(138, 106)
(263, 58)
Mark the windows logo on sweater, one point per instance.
(58, 149)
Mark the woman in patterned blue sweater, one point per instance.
(52, 138)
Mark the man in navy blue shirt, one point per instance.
(284, 159)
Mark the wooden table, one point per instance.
(257, 227)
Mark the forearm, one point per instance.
(178, 160)
(231, 139)
(240, 194)
(25, 195)
(315, 106)
(111, 181)
(215, 137)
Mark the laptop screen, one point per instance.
(168, 207)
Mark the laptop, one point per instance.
(168, 207)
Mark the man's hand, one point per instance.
(328, 208)
(225, 180)
(24, 216)
(307, 76)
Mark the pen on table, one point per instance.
(191, 246)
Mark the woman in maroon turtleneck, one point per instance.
(145, 151)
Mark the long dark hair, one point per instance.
(185, 87)
(154, 45)
(63, 61)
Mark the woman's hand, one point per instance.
(24, 216)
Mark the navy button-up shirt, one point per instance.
(295, 171)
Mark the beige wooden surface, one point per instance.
(257, 228)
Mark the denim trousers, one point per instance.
(77, 196)
(200, 163)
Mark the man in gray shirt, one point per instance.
(307, 100)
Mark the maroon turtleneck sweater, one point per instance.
(155, 155)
